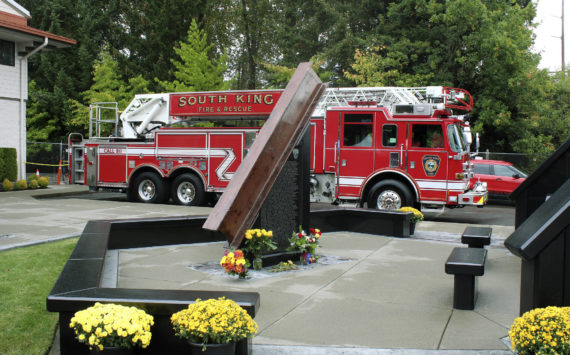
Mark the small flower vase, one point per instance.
(305, 258)
(213, 349)
(111, 350)
(412, 228)
(257, 263)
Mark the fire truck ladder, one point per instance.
(390, 96)
(101, 114)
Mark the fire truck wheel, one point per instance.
(150, 188)
(389, 195)
(187, 189)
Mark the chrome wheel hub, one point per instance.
(186, 192)
(389, 200)
(147, 190)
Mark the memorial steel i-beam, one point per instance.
(239, 205)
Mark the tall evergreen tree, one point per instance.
(195, 69)
(145, 35)
(108, 86)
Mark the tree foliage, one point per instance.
(479, 45)
(146, 34)
(107, 87)
(195, 69)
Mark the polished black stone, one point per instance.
(149, 232)
(542, 241)
(469, 261)
(77, 287)
(476, 237)
(465, 264)
(286, 207)
(78, 274)
(542, 183)
(370, 221)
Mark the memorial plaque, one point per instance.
(239, 206)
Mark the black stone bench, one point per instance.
(465, 264)
(476, 237)
(80, 283)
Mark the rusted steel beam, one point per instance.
(239, 205)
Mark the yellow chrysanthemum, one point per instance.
(103, 324)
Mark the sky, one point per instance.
(548, 33)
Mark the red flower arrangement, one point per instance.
(306, 244)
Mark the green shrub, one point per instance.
(21, 185)
(33, 184)
(7, 185)
(43, 181)
(8, 164)
(33, 177)
(2, 165)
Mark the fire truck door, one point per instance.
(112, 163)
(427, 161)
(356, 153)
(91, 166)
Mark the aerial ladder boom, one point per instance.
(149, 111)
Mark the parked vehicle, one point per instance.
(379, 153)
(501, 177)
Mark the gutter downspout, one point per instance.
(22, 121)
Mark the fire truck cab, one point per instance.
(364, 154)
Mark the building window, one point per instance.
(7, 54)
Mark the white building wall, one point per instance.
(9, 121)
(12, 121)
(10, 79)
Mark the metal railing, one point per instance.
(523, 162)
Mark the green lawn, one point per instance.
(26, 278)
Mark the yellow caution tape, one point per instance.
(41, 164)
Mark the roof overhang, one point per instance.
(15, 28)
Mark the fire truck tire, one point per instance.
(188, 190)
(149, 188)
(389, 195)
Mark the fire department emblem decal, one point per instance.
(431, 164)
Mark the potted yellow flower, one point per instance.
(112, 329)
(213, 325)
(417, 216)
(542, 331)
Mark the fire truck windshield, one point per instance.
(455, 138)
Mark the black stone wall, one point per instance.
(287, 205)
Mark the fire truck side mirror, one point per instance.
(468, 137)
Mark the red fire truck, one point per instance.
(377, 147)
